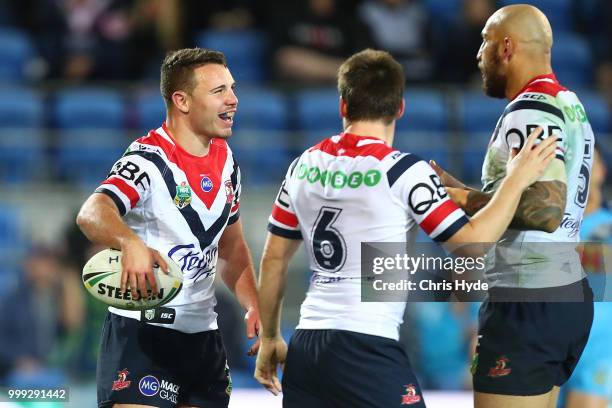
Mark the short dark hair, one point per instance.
(371, 83)
(178, 66)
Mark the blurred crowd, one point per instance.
(305, 40)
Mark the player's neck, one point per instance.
(375, 129)
(192, 143)
(522, 75)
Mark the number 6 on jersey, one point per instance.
(328, 245)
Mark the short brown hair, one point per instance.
(178, 66)
(371, 83)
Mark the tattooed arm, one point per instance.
(541, 206)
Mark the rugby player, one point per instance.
(175, 191)
(348, 189)
(526, 350)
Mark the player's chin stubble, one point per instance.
(493, 83)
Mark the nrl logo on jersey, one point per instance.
(183, 196)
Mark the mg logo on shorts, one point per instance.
(148, 386)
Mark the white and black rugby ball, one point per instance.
(102, 278)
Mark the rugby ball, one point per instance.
(102, 279)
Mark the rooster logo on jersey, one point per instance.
(183, 196)
(229, 192)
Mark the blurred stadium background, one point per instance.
(79, 81)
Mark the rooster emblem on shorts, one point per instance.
(500, 368)
(121, 383)
(411, 396)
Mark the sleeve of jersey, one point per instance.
(524, 116)
(237, 186)
(128, 183)
(283, 221)
(419, 186)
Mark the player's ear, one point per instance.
(401, 110)
(180, 100)
(342, 108)
(509, 49)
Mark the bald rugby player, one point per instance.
(527, 349)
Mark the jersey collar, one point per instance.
(550, 78)
(352, 139)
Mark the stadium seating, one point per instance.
(150, 110)
(12, 245)
(425, 111)
(423, 128)
(261, 108)
(89, 108)
(90, 123)
(444, 9)
(597, 111)
(85, 157)
(571, 60)
(245, 51)
(478, 112)
(427, 145)
(317, 116)
(22, 156)
(259, 138)
(21, 107)
(91, 128)
(478, 115)
(263, 155)
(16, 51)
(318, 110)
(22, 141)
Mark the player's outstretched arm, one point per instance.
(238, 273)
(100, 221)
(541, 206)
(278, 251)
(523, 169)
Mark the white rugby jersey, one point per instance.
(347, 190)
(542, 102)
(179, 204)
